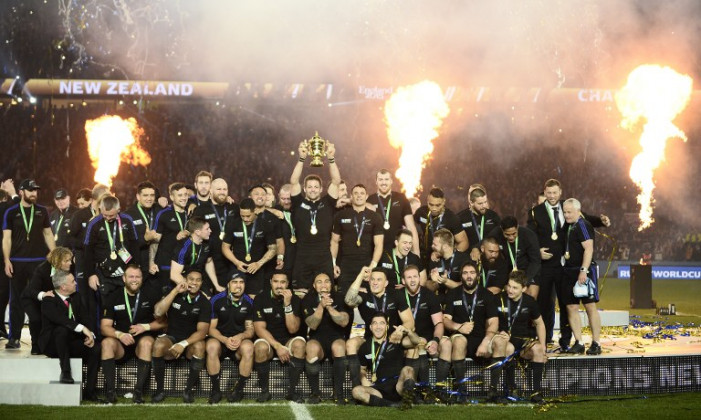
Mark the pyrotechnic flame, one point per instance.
(413, 115)
(112, 140)
(657, 95)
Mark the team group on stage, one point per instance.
(203, 278)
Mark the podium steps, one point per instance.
(34, 380)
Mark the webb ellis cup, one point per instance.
(317, 150)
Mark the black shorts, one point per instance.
(130, 351)
(325, 343)
(307, 266)
(255, 283)
(228, 353)
(495, 281)
(473, 342)
(388, 389)
(570, 276)
(518, 343)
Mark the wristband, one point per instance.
(582, 269)
(280, 257)
(184, 343)
(436, 339)
(147, 327)
(118, 334)
(332, 160)
(301, 159)
(288, 309)
(334, 261)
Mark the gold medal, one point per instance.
(56, 237)
(113, 255)
(386, 225)
(567, 255)
(515, 268)
(293, 240)
(248, 257)
(221, 236)
(357, 242)
(554, 236)
(374, 378)
(313, 230)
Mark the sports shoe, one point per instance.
(235, 396)
(214, 397)
(576, 349)
(294, 397)
(158, 397)
(314, 399)
(264, 396)
(495, 397)
(35, 350)
(12, 344)
(111, 397)
(138, 397)
(564, 346)
(537, 398)
(188, 397)
(594, 349)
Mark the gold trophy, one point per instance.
(317, 150)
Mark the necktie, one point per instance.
(67, 302)
(556, 215)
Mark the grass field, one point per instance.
(683, 293)
(673, 406)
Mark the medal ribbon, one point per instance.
(195, 258)
(480, 231)
(70, 311)
(514, 254)
(58, 226)
(130, 312)
(471, 312)
(312, 216)
(418, 299)
(384, 302)
(248, 240)
(509, 317)
(221, 221)
(234, 303)
(27, 226)
(148, 220)
(180, 222)
(567, 245)
(450, 266)
(376, 355)
(362, 226)
(396, 266)
(553, 222)
(382, 206)
(288, 218)
(110, 236)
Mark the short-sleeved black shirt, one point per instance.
(185, 313)
(231, 316)
(451, 266)
(428, 304)
(394, 273)
(477, 226)
(219, 217)
(141, 305)
(350, 224)
(389, 358)
(97, 245)
(398, 209)
(327, 329)
(272, 311)
(426, 224)
(27, 246)
(466, 307)
(169, 223)
(191, 255)
(577, 233)
(494, 274)
(516, 317)
(390, 303)
(61, 224)
(527, 255)
(78, 227)
(259, 234)
(302, 212)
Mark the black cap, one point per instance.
(29, 185)
(235, 274)
(61, 193)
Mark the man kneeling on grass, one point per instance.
(383, 356)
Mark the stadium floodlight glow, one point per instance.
(32, 100)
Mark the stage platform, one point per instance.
(630, 364)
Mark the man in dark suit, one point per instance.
(64, 336)
(547, 220)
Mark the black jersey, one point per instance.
(271, 310)
(78, 227)
(451, 266)
(357, 231)
(516, 317)
(394, 265)
(191, 255)
(475, 307)
(258, 234)
(524, 252)
(143, 218)
(383, 359)
(398, 206)
(125, 310)
(306, 214)
(477, 226)
(422, 305)
(219, 218)
(427, 225)
(169, 223)
(390, 303)
(327, 329)
(185, 313)
(495, 274)
(231, 315)
(40, 281)
(577, 233)
(27, 225)
(61, 224)
(103, 237)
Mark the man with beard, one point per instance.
(203, 184)
(249, 244)
(312, 217)
(548, 222)
(144, 212)
(283, 211)
(378, 298)
(188, 314)
(395, 210)
(128, 327)
(193, 252)
(517, 312)
(519, 246)
(219, 213)
(259, 196)
(277, 322)
(26, 240)
(357, 237)
(494, 271)
(426, 310)
(230, 334)
(471, 316)
(434, 216)
(395, 259)
(170, 228)
(61, 217)
(327, 317)
(477, 220)
(382, 357)
(445, 272)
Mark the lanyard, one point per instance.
(554, 223)
(474, 304)
(27, 226)
(234, 303)
(109, 235)
(288, 218)
(511, 318)
(384, 302)
(131, 312)
(148, 220)
(480, 231)
(450, 266)
(382, 206)
(189, 300)
(377, 355)
(567, 246)
(248, 240)
(396, 266)
(70, 310)
(58, 226)
(177, 217)
(484, 277)
(359, 232)
(418, 299)
(195, 258)
(513, 255)
(221, 221)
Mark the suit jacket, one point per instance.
(54, 314)
(40, 282)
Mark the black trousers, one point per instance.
(22, 272)
(4, 296)
(549, 279)
(33, 309)
(561, 290)
(65, 344)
